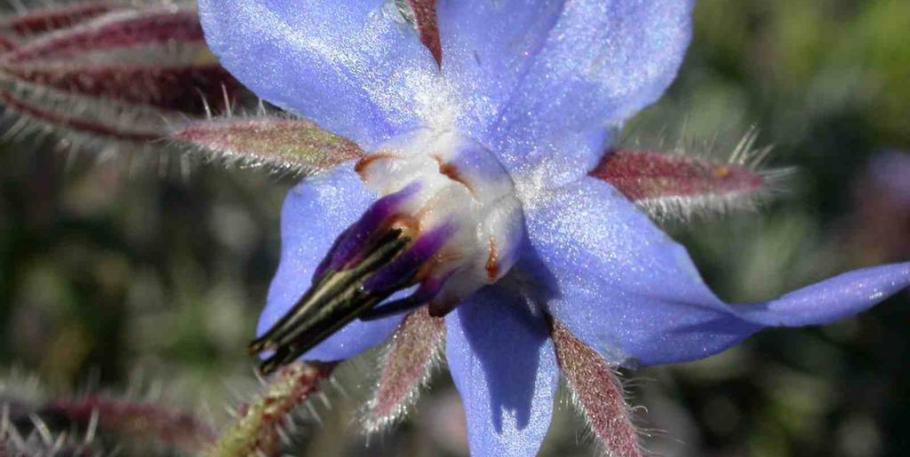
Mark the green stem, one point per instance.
(255, 431)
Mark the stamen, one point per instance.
(401, 273)
(428, 290)
(454, 229)
(352, 242)
(370, 261)
(330, 304)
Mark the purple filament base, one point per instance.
(400, 272)
(351, 244)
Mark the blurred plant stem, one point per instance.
(258, 426)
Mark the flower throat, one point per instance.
(447, 223)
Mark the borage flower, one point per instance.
(475, 205)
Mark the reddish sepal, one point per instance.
(597, 393)
(651, 176)
(407, 364)
(427, 26)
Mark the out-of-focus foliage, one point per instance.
(112, 269)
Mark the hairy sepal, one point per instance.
(679, 186)
(80, 119)
(142, 27)
(422, 14)
(406, 366)
(92, 424)
(270, 141)
(136, 421)
(49, 18)
(126, 75)
(597, 393)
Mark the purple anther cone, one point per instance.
(350, 245)
(399, 273)
(429, 288)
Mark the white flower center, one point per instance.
(460, 184)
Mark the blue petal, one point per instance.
(488, 46)
(830, 300)
(629, 291)
(314, 213)
(545, 80)
(354, 67)
(504, 366)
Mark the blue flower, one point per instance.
(476, 198)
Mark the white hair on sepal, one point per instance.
(406, 365)
(231, 160)
(35, 120)
(599, 394)
(743, 159)
(750, 155)
(137, 135)
(237, 140)
(35, 421)
(83, 125)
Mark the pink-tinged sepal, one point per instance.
(597, 393)
(182, 88)
(680, 185)
(7, 44)
(124, 75)
(279, 143)
(134, 28)
(80, 120)
(406, 366)
(140, 422)
(53, 18)
(422, 14)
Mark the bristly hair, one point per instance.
(406, 367)
(124, 87)
(267, 139)
(93, 423)
(598, 394)
(694, 179)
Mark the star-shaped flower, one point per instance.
(478, 190)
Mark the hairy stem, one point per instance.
(256, 430)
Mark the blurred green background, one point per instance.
(146, 275)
